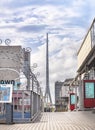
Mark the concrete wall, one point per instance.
(11, 57)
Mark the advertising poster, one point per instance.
(5, 93)
(73, 100)
(89, 90)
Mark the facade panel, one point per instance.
(85, 49)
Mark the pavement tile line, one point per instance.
(58, 121)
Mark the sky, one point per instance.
(26, 23)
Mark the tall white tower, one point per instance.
(47, 91)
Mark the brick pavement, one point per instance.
(58, 121)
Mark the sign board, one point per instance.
(73, 100)
(6, 93)
(89, 93)
(89, 90)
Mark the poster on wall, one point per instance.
(5, 93)
(73, 100)
(89, 90)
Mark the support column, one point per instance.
(28, 81)
(92, 73)
(80, 94)
(22, 104)
(76, 97)
(37, 102)
(31, 102)
(32, 96)
(34, 103)
(37, 99)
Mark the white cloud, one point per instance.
(62, 64)
(66, 24)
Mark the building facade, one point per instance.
(62, 93)
(58, 96)
(85, 78)
(15, 71)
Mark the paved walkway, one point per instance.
(58, 121)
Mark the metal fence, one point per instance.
(26, 101)
(25, 107)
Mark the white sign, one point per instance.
(6, 93)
